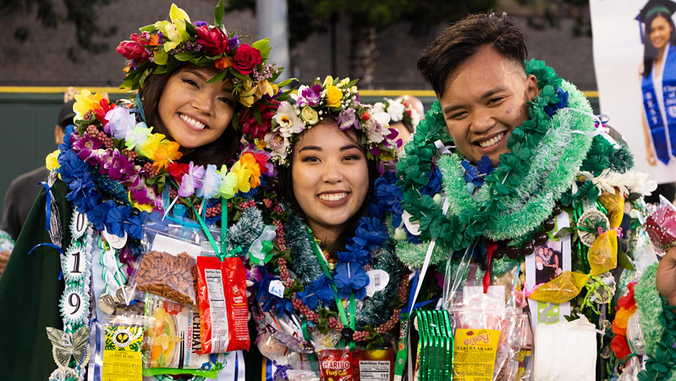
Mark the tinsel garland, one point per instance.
(521, 191)
(305, 265)
(658, 323)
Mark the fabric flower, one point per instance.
(350, 278)
(229, 184)
(86, 101)
(191, 180)
(165, 153)
(246, 59)
(211, 183)
(120, 122)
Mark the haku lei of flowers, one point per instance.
(546, 152)
(626, 306)
(311, 293)
(400, 111)
(331, 97)
(117, 168)
(163, 46)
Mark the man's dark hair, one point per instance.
(463, 39)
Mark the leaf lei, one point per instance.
(545, 154)
(370, 245)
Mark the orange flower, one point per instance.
(619, 346)
(166, 153)
(621, 317)
(223, 63)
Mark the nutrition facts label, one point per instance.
(218, 310)
(374, 370)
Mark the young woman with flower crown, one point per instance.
(336, 287)
(169, 157)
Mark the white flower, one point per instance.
(396, 110)
(287, 120)
(628, 182)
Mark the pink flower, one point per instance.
(214, 41)
(246, 58)
(131, 50)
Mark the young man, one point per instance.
(507, 148)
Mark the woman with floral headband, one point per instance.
(338, 286)
(170, 159)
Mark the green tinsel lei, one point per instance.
(305, 266)
(658, 322)
(545, 155)
(246, 229)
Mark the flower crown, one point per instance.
(165, 45)
(400, 111)
(333, 97)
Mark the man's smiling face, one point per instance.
(484, 100)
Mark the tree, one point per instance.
(548, 14)
(81, 13)
(366, 19)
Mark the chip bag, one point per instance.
(223, 304)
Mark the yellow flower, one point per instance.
(260, 144)
(247, 101)
(86, 101)
(333, 96)
(265, 88)
(175, 31)
(328, 81)
(52, 160)
(151, 144)
(344, 82)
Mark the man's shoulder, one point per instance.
(31, 178)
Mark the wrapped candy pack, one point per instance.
(661, 226)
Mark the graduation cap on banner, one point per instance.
(653, 6)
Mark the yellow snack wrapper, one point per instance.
(614, 204)
(602, 254)
(561, 289)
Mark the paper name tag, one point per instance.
(378, 281)
(276, 288)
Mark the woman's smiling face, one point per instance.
(194, 111)
(660, 32)
(330, 178)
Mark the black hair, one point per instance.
(285, 188)
(218, 152)
(457, 43)
(649, 51)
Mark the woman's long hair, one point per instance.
(285, 185)
(218, 152)
(649, 51)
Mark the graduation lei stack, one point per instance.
(310, 301)
(122, 176)
(562, 159)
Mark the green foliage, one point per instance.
(316, 16)
(548, 14)
(81, 13)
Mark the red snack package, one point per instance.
(661, 226)
(223, 304)
(336, 365)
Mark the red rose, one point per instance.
(246, 58)
(131, 50)
(214, 41)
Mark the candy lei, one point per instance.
(311, 292)
(545, 154)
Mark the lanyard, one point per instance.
(341, 310)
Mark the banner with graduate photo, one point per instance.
(635, 63)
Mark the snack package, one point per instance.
(223, 308)
(336, 365)
(488, 335)
(167, 268)
(172, 335)
(122, 358)
(661, 226)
